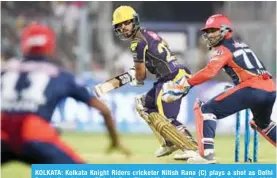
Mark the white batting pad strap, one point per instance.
(181, 128)
(269, 127)
(209, 141)
(209, 116)
(140, 102)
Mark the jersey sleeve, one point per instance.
(217, 62)
(79, 91)
(138, 49)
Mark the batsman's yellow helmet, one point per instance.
(122, 14)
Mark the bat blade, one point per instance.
(112, 84)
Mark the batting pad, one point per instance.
(156, 133)
(167, 130)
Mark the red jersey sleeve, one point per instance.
(218, 60)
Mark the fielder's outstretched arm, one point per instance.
(212, 68)
(99, 105)
(115, 144)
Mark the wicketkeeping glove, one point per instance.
(173, 91)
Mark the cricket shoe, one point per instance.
(198, 159)
(165, 150)
(185, 155)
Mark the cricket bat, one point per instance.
(113, 83)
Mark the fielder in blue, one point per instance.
(31, 89)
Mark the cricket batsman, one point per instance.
(254, 88)
(151, 52)
(31, 89)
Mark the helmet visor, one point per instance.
(212, 36)
(124, 33)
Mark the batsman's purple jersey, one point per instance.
(159, 60)
(154, 51)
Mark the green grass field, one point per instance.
(92, 148)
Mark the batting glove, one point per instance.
(134, 82)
